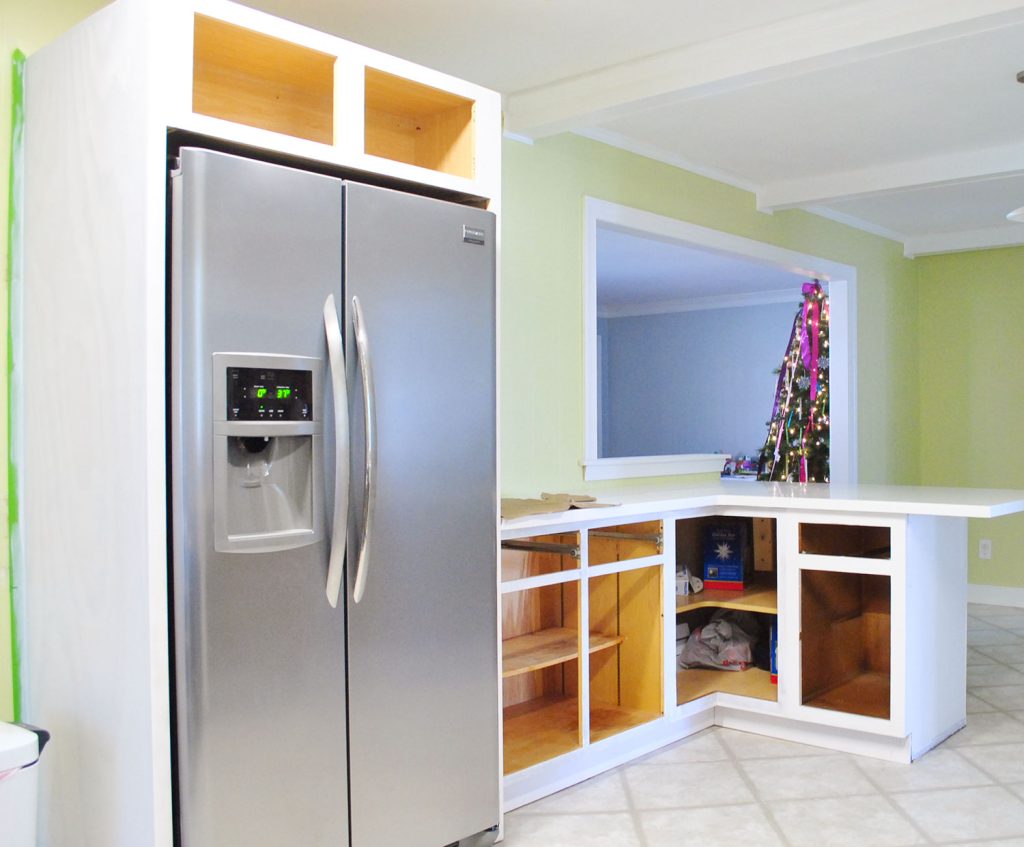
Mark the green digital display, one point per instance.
(269, 394)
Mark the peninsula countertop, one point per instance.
(775, 496)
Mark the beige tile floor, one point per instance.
(734, 789)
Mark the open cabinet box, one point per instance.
(352, 100)
(626, 678)
(845, 642)
(582, 652)
(759, 596)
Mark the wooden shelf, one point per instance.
(866, 694)
(539, 730)
(607, 720)
(695, 683)
(254, 79)
(410, 122)
(759, 597)
(546, 647)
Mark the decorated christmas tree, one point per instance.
(796, 449)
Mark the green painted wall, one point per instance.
(970, 318)
(25, 26)
(543, 187)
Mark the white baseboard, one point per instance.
(996, 595)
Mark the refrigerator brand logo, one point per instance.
(472, 236)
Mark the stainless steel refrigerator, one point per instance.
(332, 463)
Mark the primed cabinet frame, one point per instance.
(926, 657)
(611, 676)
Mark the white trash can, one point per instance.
(20, 747)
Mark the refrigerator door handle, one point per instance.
(370, 419)
(339, 529)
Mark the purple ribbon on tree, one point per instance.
(809, 338)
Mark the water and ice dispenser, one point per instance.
(267, 442)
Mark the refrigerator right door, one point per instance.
(423, 671)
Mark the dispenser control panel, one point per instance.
(269, 394)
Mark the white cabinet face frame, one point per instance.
(893, 568)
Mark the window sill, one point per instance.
(643, 466)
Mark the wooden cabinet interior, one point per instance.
(759, 595)
(863, 542)
(762, 548)
(845, 635)
(626, 681)
(410, 122)
(539, 555)
(540, 696)
(622, 543)
(254, 79)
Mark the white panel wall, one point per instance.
(90, 469)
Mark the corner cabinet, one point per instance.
(868, 610)
(105, 105)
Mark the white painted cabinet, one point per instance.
(847, 599)
(248, 78)
(582, 649)
(871, 615)
(103, 106)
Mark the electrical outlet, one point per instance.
(985, 548)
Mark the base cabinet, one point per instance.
(582, 652)
(866, 610)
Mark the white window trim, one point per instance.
(842, 288)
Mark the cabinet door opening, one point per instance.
(862, 542)
(626, 678)
(755, 681)
(730, 554)
(845, 642)
(756, 594)
(622, 543)
(540, 674)
(539, 555)
(410, 122)
(254, 79)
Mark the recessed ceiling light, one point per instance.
(1020, 76)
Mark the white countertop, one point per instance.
(877, 499)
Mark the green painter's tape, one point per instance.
(13, 246)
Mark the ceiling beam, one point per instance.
(835, 36)
(965, 166)
(1009, 235)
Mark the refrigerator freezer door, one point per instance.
(423, 675)
(259, 661)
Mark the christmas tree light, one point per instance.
(796, 449)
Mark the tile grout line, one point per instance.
(634, 812)
(980, 649)
(888, 799)
(752, 787)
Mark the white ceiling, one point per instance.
(638, 274)
(902, 117)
